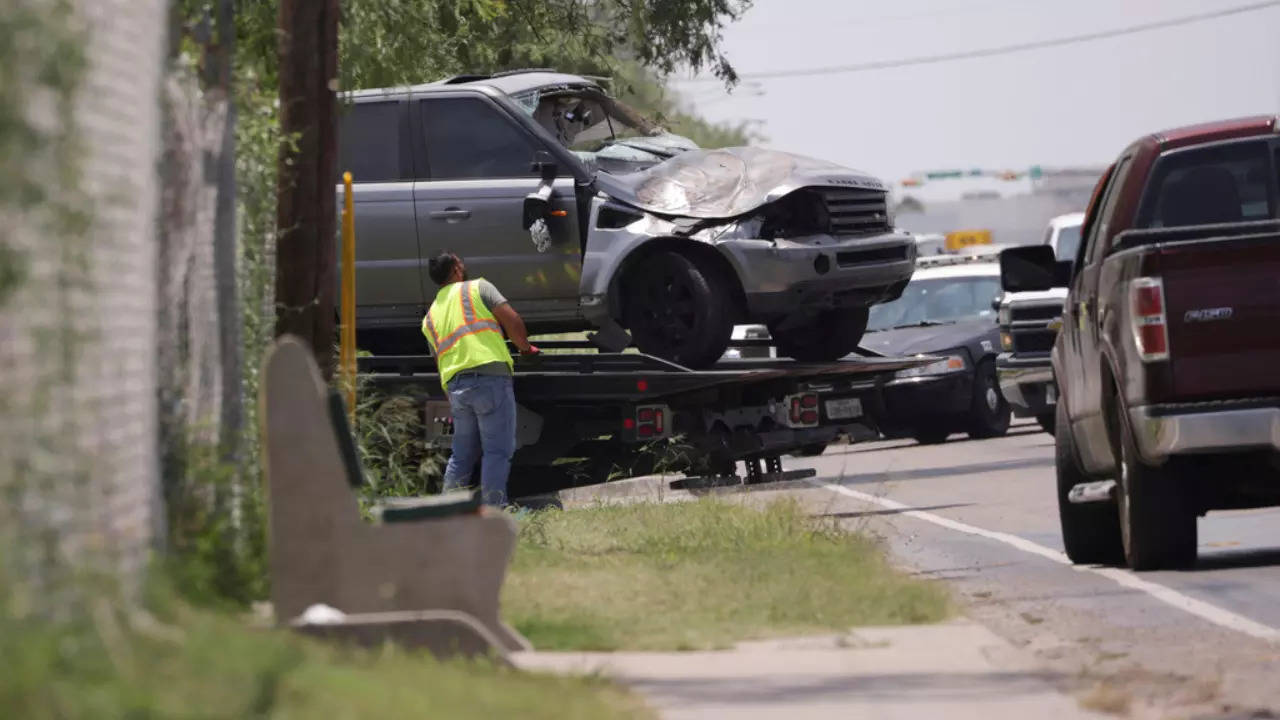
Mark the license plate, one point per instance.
(1050, 395)
(844, 409)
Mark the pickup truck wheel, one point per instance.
(989, 412)
(828, 336)
(1157, 520)
(1046, 421)
(1090, 532)
(677, 311)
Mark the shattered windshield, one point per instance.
(603, 132)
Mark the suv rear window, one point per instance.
(1216, 184)
(369, 142)
(469, 138)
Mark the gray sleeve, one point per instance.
(490, 295)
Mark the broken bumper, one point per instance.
(781, 276)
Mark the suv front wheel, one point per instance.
(678, 311)
(826, 336)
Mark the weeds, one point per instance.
(697, 575)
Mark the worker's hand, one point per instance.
(531, 350)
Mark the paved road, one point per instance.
(981, 516)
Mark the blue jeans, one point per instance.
(484, 426)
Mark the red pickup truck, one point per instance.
(1168, 361)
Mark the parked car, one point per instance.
(945, 311)
(587, 216)
(1029, 325)
(1170, 399)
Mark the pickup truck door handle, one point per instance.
(451, 214)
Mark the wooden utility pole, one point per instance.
(306, 257)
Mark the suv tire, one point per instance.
(1157, 518)
(826, 337)
(1090, 532)
(678, 311)
(989, 413)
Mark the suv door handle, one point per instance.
(451, 214)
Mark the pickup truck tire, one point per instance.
(679, 311)
(1090, 532)
(1046, 421)
(1157, 517)
(828, 336)
(989, 412)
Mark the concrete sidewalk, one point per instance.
(954, 670)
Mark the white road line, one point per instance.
(1203, 610)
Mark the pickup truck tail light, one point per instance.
(1147, 314)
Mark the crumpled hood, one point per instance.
(726, 183)
(930, 339)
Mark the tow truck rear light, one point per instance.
(1147, 316)
(650, 421)
(803, 409)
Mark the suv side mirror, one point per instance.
(545, 166)
(995, 301)
(537, 204)
(1027, 268)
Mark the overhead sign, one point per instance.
(965, 238)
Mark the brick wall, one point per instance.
(77, 423)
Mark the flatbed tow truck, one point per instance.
(587, 417)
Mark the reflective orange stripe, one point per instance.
(464, 331)
(468, 306)
(431, 329)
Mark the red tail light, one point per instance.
(809, 401)
(795, 410)
(650, 421)
(1147, 315)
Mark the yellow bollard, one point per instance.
(347, 353)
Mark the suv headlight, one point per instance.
(952, 363)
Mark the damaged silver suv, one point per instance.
(587, 216)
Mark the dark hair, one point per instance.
(441, 267)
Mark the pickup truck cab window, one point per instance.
(1222, 183)
(471, 138)
(370, 142)
(1102, 232)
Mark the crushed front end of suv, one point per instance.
(587, 216)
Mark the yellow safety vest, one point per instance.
(462, 332)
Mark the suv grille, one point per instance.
(856, 212)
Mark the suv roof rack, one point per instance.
(459, 79)
(521, 71)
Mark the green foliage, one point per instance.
(701, 574)
(391, 438)
(180, 662)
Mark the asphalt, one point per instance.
(981, 517)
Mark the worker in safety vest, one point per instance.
(464, 327)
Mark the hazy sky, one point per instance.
(1073, 105)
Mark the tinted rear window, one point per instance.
(1216, 184)
(369, 142)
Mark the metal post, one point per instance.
(347, 360)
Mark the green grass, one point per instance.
(211, 665)
(698, 575)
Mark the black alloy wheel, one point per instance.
(678, 311)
